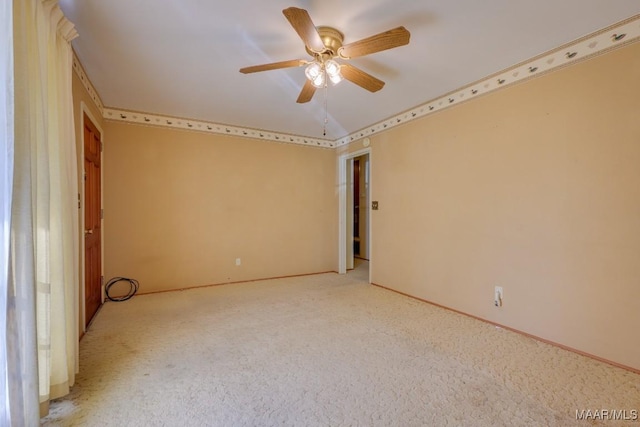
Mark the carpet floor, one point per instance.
(324, 350)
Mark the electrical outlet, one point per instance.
(238, 261)
(497, 296)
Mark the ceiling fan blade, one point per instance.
(377, 43)
(308, 90)
(302, 23)
(361, 78)
(273, 66)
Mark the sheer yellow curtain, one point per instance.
(43, 279)
(6, 182)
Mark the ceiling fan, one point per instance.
(324, 44)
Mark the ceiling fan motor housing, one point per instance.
(332, 40)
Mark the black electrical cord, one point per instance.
(134, 285)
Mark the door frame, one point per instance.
(344, 181)
(84, 109)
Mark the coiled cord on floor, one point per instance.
(134, 285)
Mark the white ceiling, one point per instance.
(181, 57)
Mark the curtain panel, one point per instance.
(43, 282)
(6, 181)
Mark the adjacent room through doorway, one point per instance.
(355, 206)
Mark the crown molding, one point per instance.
(93, 93)
(605, 40)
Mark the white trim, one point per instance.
(342, 208)
(349, 229)
(342, 214)
(84, 109)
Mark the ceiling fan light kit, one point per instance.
(318, 72)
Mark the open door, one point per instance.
(92, 220)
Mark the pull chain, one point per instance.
(326, 114)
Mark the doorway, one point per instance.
(348, 206)
(92, 142)
(360, 185)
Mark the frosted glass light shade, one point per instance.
(318, 81)
(313, 70)
(332, 67)
(335, 79)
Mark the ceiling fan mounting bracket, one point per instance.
(332, 40)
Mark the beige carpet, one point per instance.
(324, 350)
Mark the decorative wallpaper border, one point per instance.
(93, 93)
(202, 126)
(613, 37)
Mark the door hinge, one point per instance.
(78, 200)
(102, 281)
(101, 213)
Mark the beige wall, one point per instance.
(535, 188)
(181, 206)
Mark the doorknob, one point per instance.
(89, 231)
